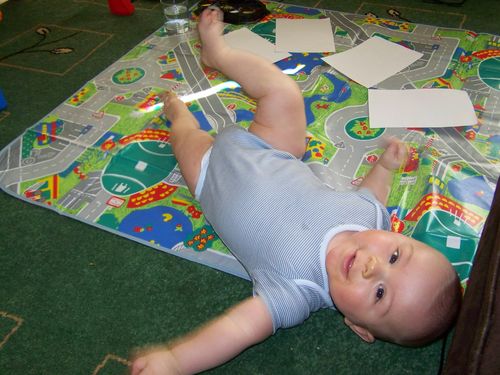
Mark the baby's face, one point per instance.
(383, 279)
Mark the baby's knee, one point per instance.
(284, 90)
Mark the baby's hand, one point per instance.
(156, 361)
(395, 154)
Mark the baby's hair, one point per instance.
(443, 312)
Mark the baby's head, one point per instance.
(392, 287)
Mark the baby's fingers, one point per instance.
(395, 154)
(401, 151)
(138, 366)
(167, 96)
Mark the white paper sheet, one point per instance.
(373, 61)
(249, 41)
(420, 108)
(304, 35)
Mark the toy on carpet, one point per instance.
(3, 102)
(121, 7)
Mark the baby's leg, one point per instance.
(280, 117)
(188, 141)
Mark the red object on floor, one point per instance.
(121, 7)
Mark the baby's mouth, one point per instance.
(348, 262)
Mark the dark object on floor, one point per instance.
(397, 14)
(474, 349)
(448, 2)
(237, 12)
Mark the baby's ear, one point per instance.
(362, 332)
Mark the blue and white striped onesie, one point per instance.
(277, 218)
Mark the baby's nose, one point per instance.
(370, 268)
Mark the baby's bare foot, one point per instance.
(172, 105)
(210, 28)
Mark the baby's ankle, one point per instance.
(211, 57)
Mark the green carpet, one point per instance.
(75, 299)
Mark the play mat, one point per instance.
(103, 156)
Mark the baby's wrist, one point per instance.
(387, 165)
(174, 367)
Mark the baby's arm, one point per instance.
(222, 339)
(379, 179)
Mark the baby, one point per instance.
(305, 245)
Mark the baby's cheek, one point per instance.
(348, 298)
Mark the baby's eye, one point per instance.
(394, 257)
(379, 293)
